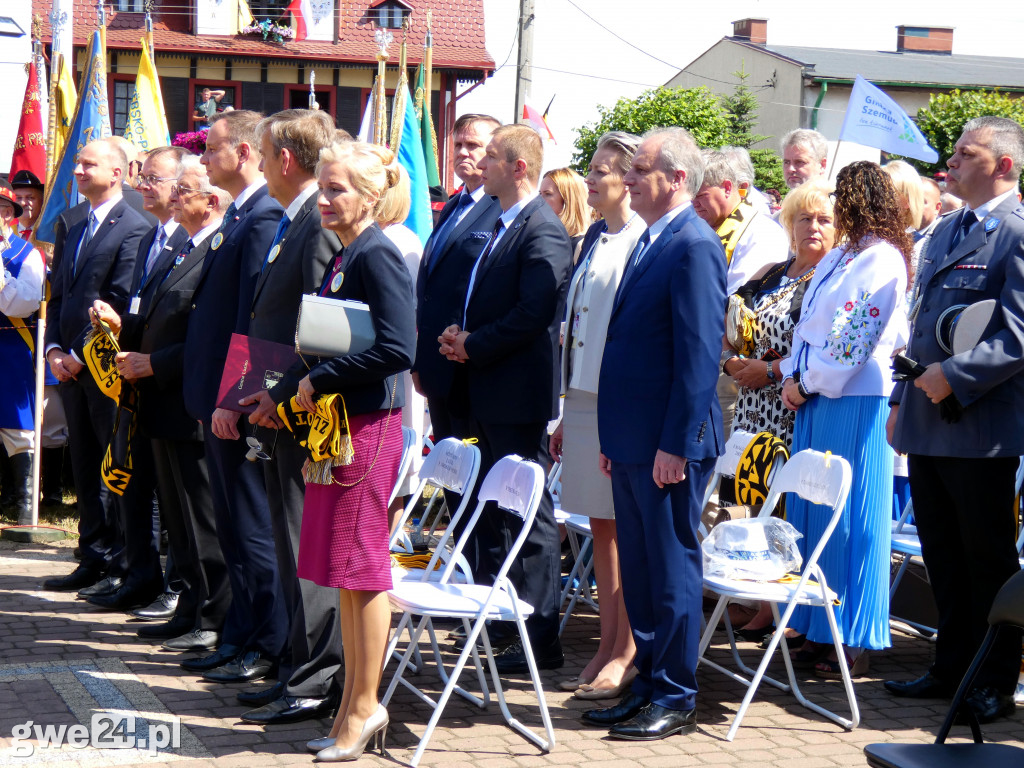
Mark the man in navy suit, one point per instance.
(461, 233)
(97, 263)
(660, 428)
(135, 577)
(962, 471)
(256, 621)
(507, 380)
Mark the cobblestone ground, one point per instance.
(62, 661)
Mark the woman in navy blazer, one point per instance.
(344, 539)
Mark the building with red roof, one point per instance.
(198, 44)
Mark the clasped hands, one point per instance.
(453, 344)
(265, 414)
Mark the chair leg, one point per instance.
(545, 745)
(965, 687)
(580, 573)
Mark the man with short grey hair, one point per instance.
(804, 156)
(660, 429)
(745, 176)
(959, 421)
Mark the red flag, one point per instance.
(30, 146)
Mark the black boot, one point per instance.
(53, 482)
(8, 491)
(21, 468)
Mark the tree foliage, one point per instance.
(695, 109)
(942, 121)
(741, 113)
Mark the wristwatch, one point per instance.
(771, 372)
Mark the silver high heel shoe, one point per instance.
(375, 727)
(316, 745)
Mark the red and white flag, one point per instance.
(313, 19)
(538, 121)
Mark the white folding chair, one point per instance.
(517, 487)
(452, 465)
(408, 439)
(577, 586)
(726, 466)
(822, 479)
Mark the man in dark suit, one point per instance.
(660, 428)
(134, 577)
(507, 379)
(460, 235)
(154, 335)
(256, 624)
(962, 470)
(97, 263)
(290, 143)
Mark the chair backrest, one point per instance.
(728, 462)
(452, 465)
(517, 487)
(408, 446)
(820, 478)
(1008, 605)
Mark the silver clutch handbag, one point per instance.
(333, 327)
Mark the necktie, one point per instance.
(441, 236)
(636, 255)
(480, 262)
(968, 220)
(285, 221)
(229, 215)
(154, 252)
(86, 238)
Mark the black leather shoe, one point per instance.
(925, 687)
(289, 709)
(655, 722)
(196, 640)
(252, 665)
(627, 708)
(498, 643)
(127, 597)
(218, 658)
(990, 705)
(107, 586)
(512, 660)
(261, 696)
(79, 578)
(165, 630)
(160, 609)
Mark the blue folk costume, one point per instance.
(17, 344)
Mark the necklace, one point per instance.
(625, 226)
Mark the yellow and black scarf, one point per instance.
(734, 226)
(754, 470)
(325, 434)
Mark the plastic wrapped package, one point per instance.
(758, 549)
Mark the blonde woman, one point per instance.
(344, 538)
(566, 193)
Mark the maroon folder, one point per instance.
(252, 365)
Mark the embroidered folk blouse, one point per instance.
(853, 318)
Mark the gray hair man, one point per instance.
(804, 156)
(956, 421)
(745, 175)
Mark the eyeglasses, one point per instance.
(181, 191)
(256, 448)
(152, 181)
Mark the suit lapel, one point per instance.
(508, 239)
(192, 261)
(294, 227)
(975, 239)
(240, 214)
(166, 257)
(651, 255)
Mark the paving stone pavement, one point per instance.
(64, 662)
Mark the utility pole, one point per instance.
(524, 68)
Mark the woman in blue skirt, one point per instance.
(838, 380)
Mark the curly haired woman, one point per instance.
(838, 381)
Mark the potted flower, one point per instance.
(270, 30)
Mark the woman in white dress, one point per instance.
(603, 255)
(393, 210)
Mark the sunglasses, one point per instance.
(256, 448)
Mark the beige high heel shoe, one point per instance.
(375, 727)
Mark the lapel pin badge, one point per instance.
(217, 240)
(991, 223)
